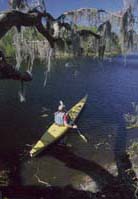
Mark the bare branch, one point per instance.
(87, 33)
(41, 181)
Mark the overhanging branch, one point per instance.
(16, 18)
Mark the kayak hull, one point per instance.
(54, 132)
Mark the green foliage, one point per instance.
(87, 45)
(92, 28)
(32, 34)
(6, 44)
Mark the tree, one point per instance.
(21, 14)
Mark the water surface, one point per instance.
(112, 87)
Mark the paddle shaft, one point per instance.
(81, 135)
(78, 130)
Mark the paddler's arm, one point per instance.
(70, 126)
(67, 124)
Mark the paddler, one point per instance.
(61, 117)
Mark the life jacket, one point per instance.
(59, 118)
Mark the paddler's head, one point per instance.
(61, 107)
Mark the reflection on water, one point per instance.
(111, 87)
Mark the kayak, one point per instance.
(54, 132)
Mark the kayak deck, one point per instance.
(54, 132)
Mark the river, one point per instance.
(111, 86)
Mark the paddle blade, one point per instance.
(83, 137)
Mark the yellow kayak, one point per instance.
(54, 132)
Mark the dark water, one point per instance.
(111, 86)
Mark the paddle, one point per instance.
(78, 130)
(82, 136)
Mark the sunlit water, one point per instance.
(111, 87)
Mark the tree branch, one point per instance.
(84, 32)
(16, 18)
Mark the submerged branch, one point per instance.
(41, 181)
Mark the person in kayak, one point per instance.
(61, 118)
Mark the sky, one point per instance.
(57, 7)
(65, 5)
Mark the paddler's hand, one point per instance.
(74, 127)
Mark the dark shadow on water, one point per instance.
(122, 186)
(12, 166)
(46, 193)
(126, 173)
(71, 160)
(110, 187)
